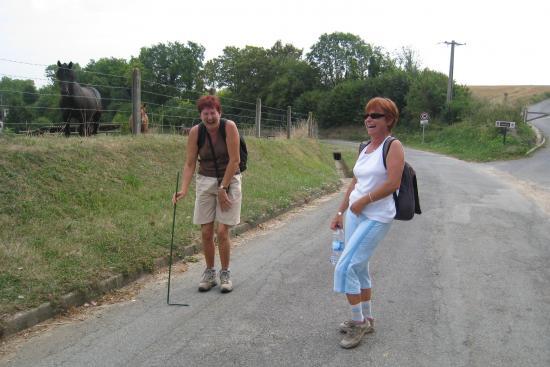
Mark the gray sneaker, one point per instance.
(226, 285)
(346, 326)
(208, 280)
(354, 335)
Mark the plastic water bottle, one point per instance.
(337, 245)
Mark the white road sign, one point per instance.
(508, 124)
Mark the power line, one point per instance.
(56, 95)
(77, 70)
(60, 108)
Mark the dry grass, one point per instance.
(507, 93)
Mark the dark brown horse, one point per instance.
(79, 103)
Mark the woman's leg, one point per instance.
(224, 245)
(207, 234)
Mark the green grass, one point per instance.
(469, 141)
(76, 211)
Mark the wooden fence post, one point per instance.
(289, 121)
(258, 121)
(136, 101)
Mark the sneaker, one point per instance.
(208, 280)
(226, 285)
(354, 335)
(347, 325)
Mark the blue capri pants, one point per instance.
(362, 235)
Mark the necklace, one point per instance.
(372, 147)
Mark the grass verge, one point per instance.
(76, 211)
(480, 142)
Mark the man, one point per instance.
(218, 186)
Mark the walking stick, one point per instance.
(171, 251)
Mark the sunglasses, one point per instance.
(373, 115)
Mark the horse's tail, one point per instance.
(98, 98)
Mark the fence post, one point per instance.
(310, 124)
(136, 101)
(289, 121)
(258, 117)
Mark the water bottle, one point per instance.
(337, 245)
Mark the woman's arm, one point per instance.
(338, 220)
(233, 150)
(191, 156)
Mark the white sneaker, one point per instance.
(226, 285)
(208, 280)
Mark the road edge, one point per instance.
(20, 321)
(541, 139)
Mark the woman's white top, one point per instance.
(371, 173)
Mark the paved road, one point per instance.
(467, 283)
(535, 170)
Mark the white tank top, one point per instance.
(370, 173)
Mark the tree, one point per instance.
(293, 78)
(19, 95)
(427, 93)
(407, 59)
(247, 72)
(174, 65)
(339, 56)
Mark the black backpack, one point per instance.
(243, 151)
(407, 202)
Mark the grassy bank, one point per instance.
(469, 141)
(74, 212)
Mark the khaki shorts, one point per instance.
(207, 208)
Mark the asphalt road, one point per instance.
(467, 283)
(535, 170)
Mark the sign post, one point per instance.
(504, 126)
(424, 121)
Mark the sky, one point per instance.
(506, 41)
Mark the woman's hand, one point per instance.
(177, 196)
(337, 222)
(223, 199)
(357, 207)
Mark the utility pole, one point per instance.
(451, 67)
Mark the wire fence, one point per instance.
(170, 109)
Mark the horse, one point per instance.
(144, 120)
(77, 102)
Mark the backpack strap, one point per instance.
(362, 145)
(222, 128)
(202, 135)
(386, 149)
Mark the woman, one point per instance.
(369, 211)
(218, 187)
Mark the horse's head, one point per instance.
(65, 75)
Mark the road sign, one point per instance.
(424, 116)
(507, 124)
(424, 122)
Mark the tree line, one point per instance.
(333, 80)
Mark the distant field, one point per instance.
(496, 93)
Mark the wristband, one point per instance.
(370, 197)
